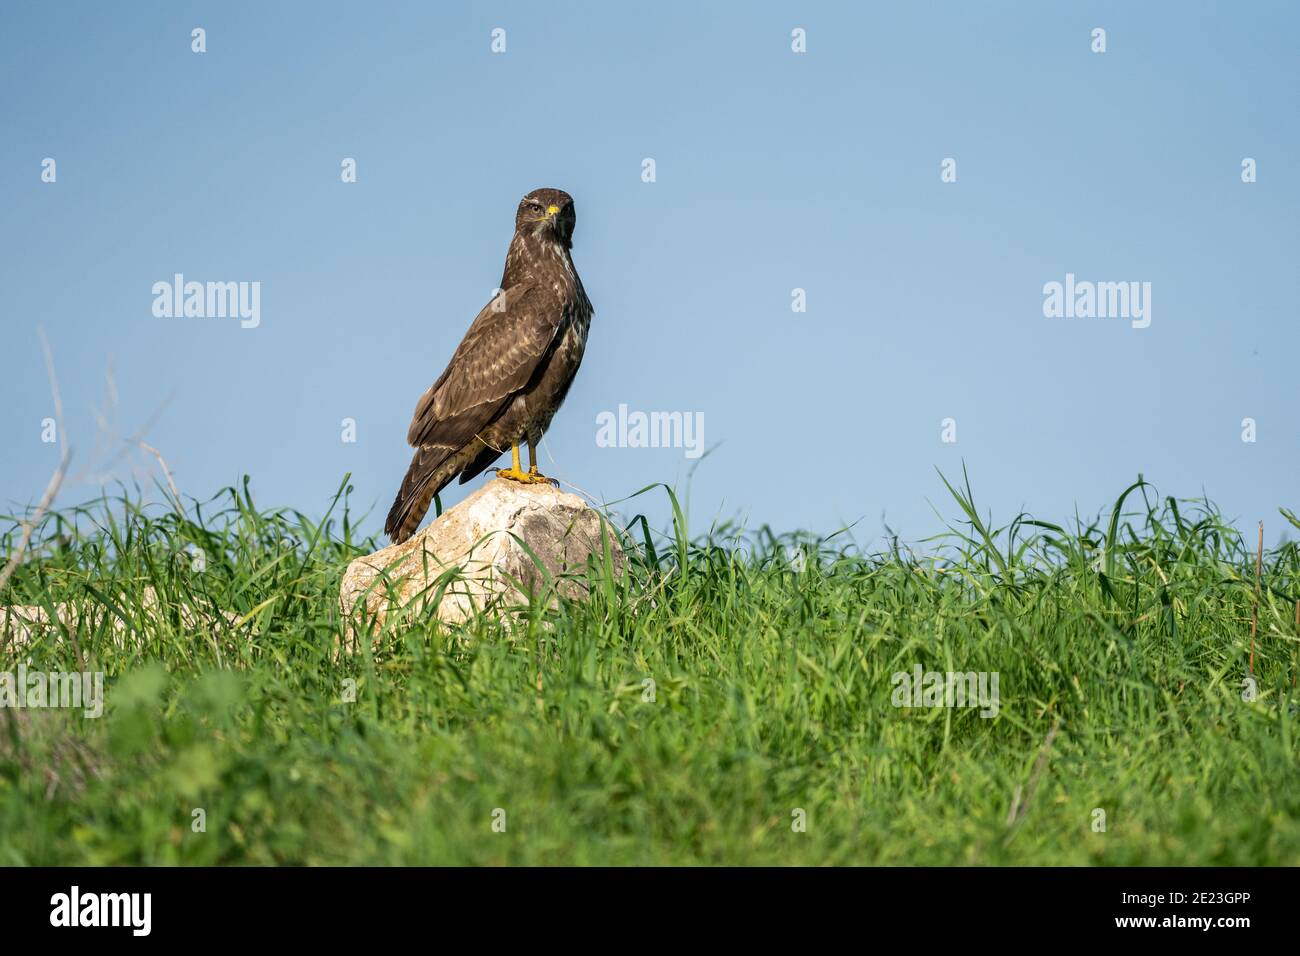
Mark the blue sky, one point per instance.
(774, 171)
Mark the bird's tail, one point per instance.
(431, 469)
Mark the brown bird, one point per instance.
(511, 371)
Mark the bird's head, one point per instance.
(548, 215)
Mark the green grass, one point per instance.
(1130, 635)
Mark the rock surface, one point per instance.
(22, 625)
(477, 542)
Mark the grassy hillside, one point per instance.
(772, 693)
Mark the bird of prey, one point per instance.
(510, 373)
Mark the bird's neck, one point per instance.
(531, 255)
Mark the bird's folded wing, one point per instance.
(497, 357)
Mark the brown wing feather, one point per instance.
(497, 357)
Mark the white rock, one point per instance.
(476, 545)
(22, 625)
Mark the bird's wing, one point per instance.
(497, 357)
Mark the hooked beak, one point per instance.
(550, 214)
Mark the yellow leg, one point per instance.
(516, 473)
(532, 467)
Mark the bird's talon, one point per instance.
(533, 477)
